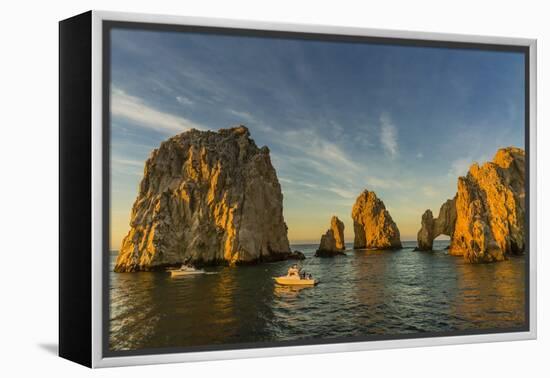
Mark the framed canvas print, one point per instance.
(233, 189)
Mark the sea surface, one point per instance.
(363, 293)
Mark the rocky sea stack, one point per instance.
(433, 227)
(208, 198)
(490, 211)
(332, 242)
(373, 225)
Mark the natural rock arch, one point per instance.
(486, 218)
(432, 227)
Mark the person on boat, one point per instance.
(293, 271)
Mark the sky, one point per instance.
(338, 117)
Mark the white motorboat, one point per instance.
(186, 270)
(295, 281)
(296, 277)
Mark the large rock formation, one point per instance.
(206, 198)
(332, 242)
(373, 225)
(433, 227)
(490, 210)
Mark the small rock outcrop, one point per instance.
(486, 219)
(373, 225)
(433, 227)
(296, 255)
(206, 198)
(332, 242)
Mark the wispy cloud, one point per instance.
(127, 167)
(460, 167)
(185, 100)
(382, 183)
(388, 135)
(129, 162)
(240, 115)
(309, 143)
(248, 119)
(134, 109)
(344, 193)
(286, 180)
(430, 191)
(298, 183)
(313, 162)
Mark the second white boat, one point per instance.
(186, 270)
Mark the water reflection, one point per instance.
(365, 292)
(134, 314)
(490, 293)
(285, 292)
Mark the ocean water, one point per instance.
(364, 293)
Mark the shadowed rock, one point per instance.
(209, 198)
(332, 242)
(296, 255)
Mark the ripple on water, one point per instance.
(364, 293)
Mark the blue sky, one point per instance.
(338, 117)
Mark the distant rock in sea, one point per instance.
(490, 211)
(442, 225)
(332, 242)
(373, 225)
(296, 255)
(206, 198)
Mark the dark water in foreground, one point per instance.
(367, 292)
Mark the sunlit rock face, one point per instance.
(206, 198)
(486, 219)
(490, 208)
(332, 242)
(373, 225)
(433, 227)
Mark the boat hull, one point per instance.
(294, 282)
(176, 273)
